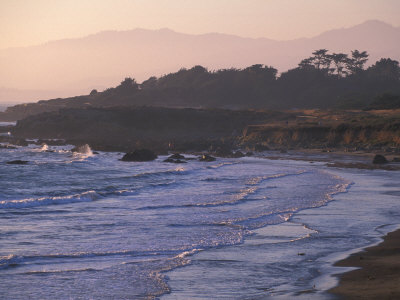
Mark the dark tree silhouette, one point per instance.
(340, 61)
(128, 84)
(149, 83)
(321, 59)
(385, 69)
(356, 63)
(306, 63)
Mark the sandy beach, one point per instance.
(379, 273)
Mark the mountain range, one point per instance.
(75, 66)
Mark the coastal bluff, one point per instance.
(164, 129)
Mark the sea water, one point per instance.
(84, 226)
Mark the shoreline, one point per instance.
(377, 276)
(338, 159)
(312, 264)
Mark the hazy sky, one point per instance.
(29, 22)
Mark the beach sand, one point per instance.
(379, 276)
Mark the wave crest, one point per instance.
(34, 202)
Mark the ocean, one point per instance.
(89, 226)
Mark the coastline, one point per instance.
(378, 273)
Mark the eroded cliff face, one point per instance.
(150, 127)
(339, 136)
(199, 129)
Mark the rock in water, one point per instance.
(139, 155)
(17, 162)
(176, 156)
(206, 157)
(379, 159)
(175, 161)
(238, 154)
(223, 152)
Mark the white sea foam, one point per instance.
(34, 202)
(83, 151)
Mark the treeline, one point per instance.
(324, 80)
(340, 64)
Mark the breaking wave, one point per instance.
(34, 202)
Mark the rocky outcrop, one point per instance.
(139, 155)
(238, 154)
(176, 156)
(217, 131)
(207, 158)
(379, 159)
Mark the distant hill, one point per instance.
(75, 66)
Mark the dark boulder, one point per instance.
(206, 157)
(238, 154)
(17, 162)
(249, 153)
(176, 156)
(139, 155)
(175, 161)
(396, 159)
(223, 152)
(178, 161)
(379, 159)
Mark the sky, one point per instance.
(31, 22)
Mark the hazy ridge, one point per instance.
(75, 66)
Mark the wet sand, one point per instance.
(339, 159)
(379, 276)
